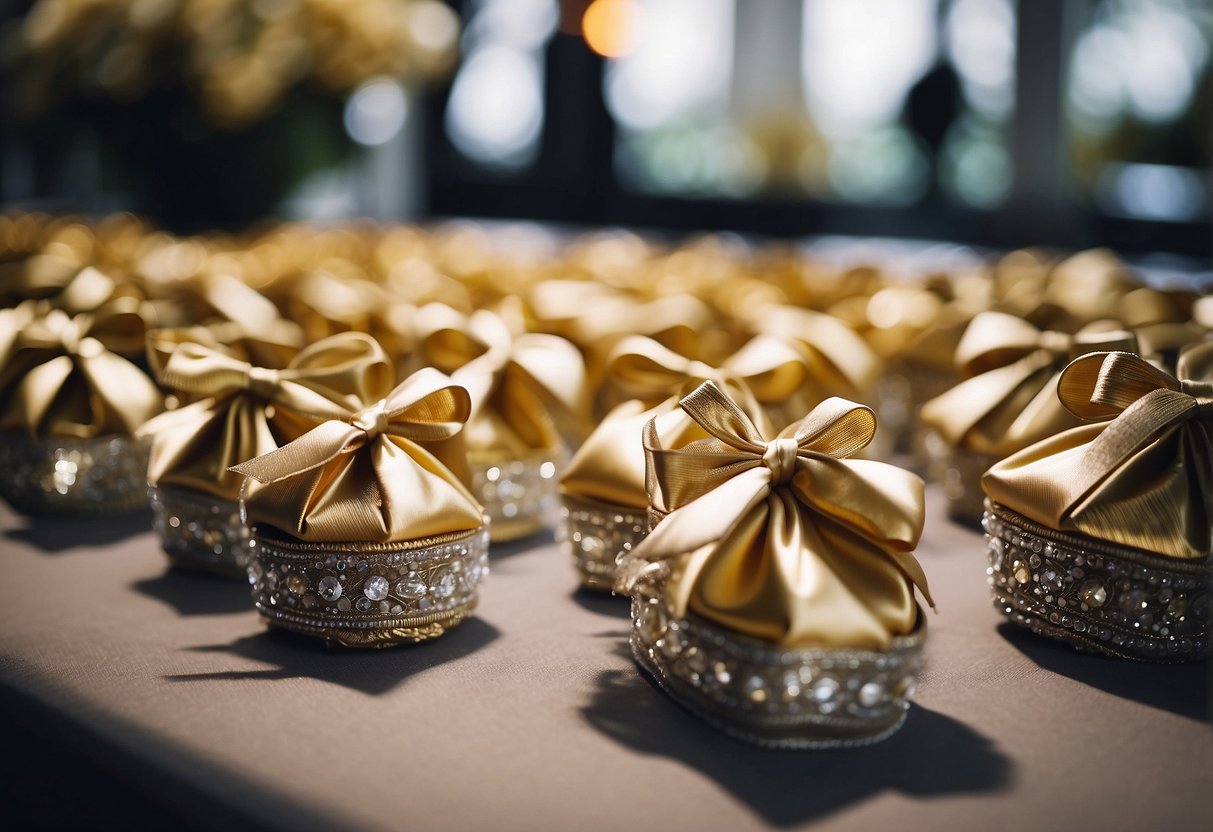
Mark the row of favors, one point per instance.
(362, 510)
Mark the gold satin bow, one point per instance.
(64, 375)
(785, 540)
(241, 411)
(840, 362)
(271, 344)
(767, 374)
(388, 472)
(527, 391)
(1009, 401)
(1143, 479)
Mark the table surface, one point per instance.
(532, 714)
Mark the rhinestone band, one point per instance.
(518, 494)
(104, 475)
(787, 698)
(1095, 595)
(596, 534)
(368, 595)
(199, 531)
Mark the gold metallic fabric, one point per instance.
(240, 410)
(528, 391)
(785, 540)
(65, 375)
(765, 374)
(1009, 401)
(1143, 479)
(391, 471)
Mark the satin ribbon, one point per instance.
(785, 540)
(840, 362)
(241, 410)
(527, 391)
(64, 375)
(1010, 402)
(271, 344)
(1143, 479)
(766, 374)
(389, 472)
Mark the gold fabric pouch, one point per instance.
(780, 561)
(1103, 535)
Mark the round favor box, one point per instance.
(595, 534)
(519, 494)
(200, 532)
(65, 475)
(1098, 596)
(367, 594)
(795, 698)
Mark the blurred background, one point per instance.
(999, 123)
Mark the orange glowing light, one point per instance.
(612, 27)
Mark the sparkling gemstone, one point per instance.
(756, 689)
(343, 604)
(363, 604)
(791, 686)
(721, 671)
(444, 585)
(411, 588)
(329, 588)
(870, 694)
(695, 659)
(1133, 601)
(1178, 607)
(1021, 572)
(297, 584)
(375, 588)
(592, 545)
(825, 689)
(1093, 593)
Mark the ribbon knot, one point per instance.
(373, 420)
(1202, 392)
(261, 382)
(780, 458)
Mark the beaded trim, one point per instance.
(595, 535)
(1098, 596)
(104, 475)
(368, 595)
(784, 698)
(517, 494)
(199, 531)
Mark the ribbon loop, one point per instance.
(261, 382)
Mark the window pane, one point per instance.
(1138, 108)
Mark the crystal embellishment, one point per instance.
(595, 535)
(200, 532)
(1097, 596)
(790, 698)
(60, 474)
(406, 593)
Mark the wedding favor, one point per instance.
(775, 598)
(1102, 536)
(238, 410)
(528, 394)
(363, 530)
(70, 404)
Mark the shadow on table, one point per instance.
(602, 603)
(509, 548)
(373, 672)
(1182, 689)
(197, 593)
(931, 755)
(57, 533)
